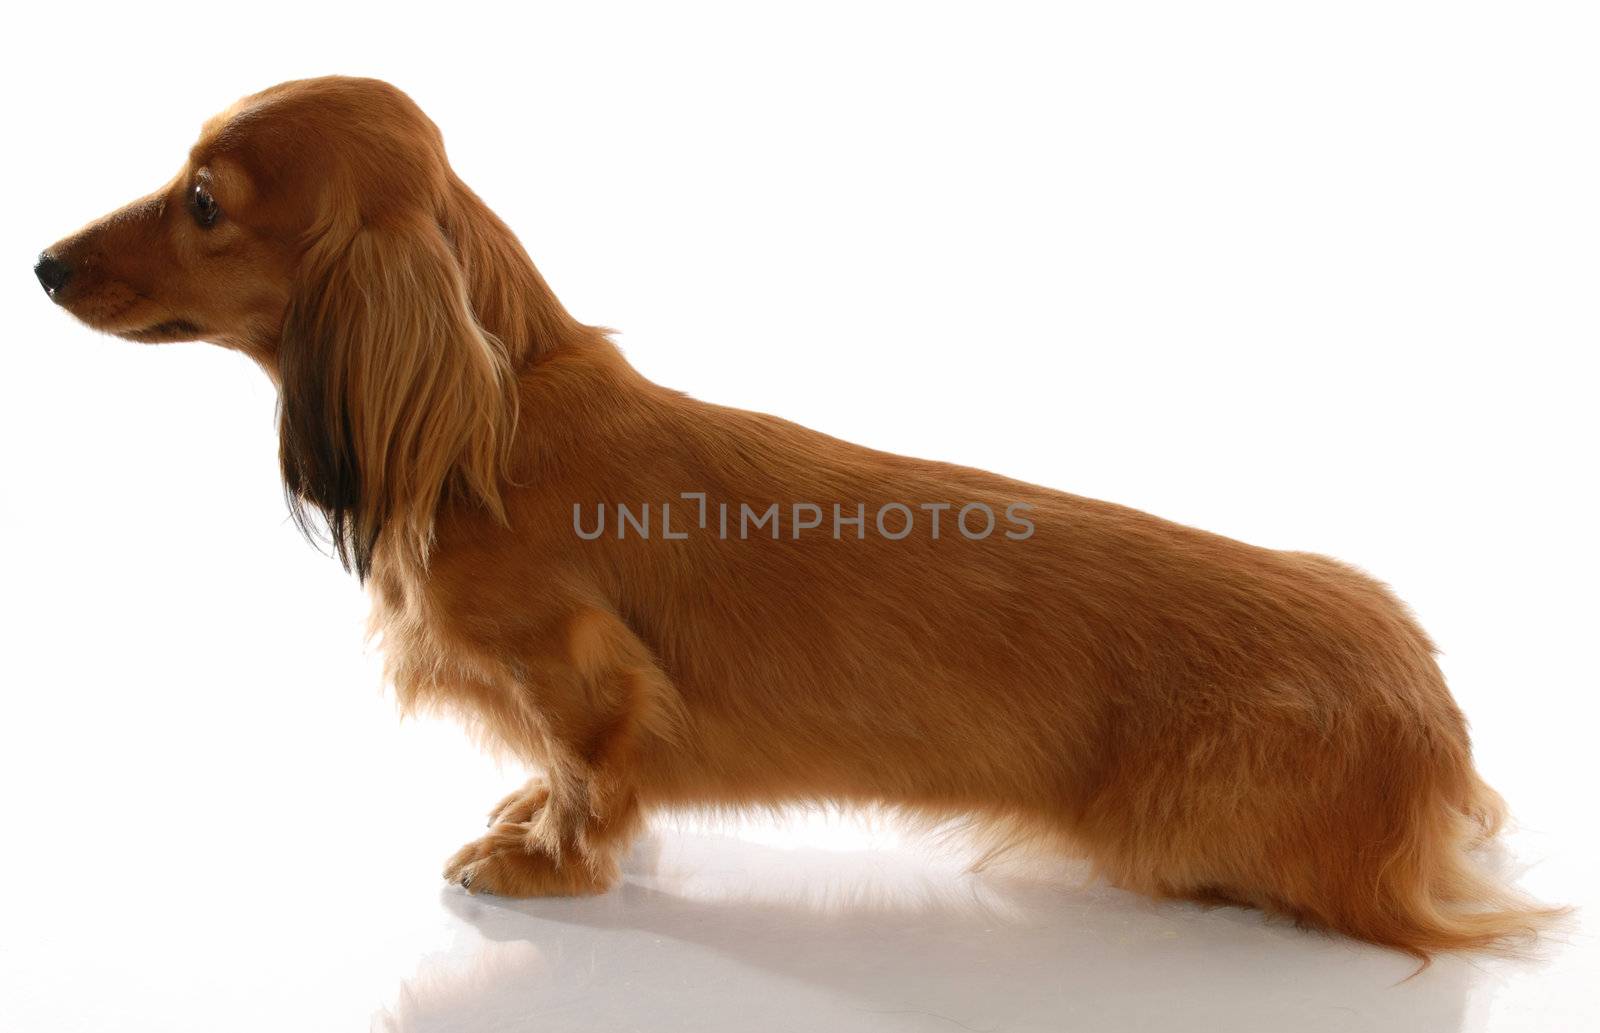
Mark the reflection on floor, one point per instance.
(330, 915)
(716, 932)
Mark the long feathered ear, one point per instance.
(393, 397)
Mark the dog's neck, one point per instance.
(510, 299)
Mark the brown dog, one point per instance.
(664, 602)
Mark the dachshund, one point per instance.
(662, 603)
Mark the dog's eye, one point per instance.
(205, 206)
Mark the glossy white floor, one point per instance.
(273, 906)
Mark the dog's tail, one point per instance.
(1434, 895)
(1485, 807)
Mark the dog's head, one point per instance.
(276, 188)
(317, 227)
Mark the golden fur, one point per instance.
(1203, 718)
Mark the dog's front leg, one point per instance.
(521, 806)
(598, 695)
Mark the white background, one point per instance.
(1316, 276)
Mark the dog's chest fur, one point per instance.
(435, 662)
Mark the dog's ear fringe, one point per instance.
(392, 396)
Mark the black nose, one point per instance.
(53, 273)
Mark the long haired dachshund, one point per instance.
(665, 603)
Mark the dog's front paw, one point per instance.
(508, 863)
